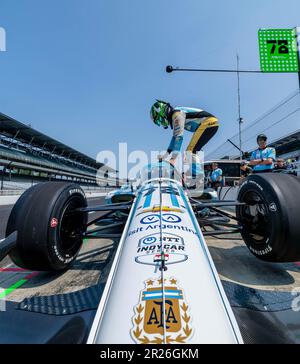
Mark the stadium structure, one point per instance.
(288, 147)
(28, 156)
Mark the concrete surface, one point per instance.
(235, 263)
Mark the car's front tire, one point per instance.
(49, 231)
(271, 218)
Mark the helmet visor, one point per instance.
(165, 123)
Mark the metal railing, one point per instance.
(87, 190)
(11, 192)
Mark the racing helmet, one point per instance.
(159, 113)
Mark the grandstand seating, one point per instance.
(28, 156)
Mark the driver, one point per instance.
(202, 124)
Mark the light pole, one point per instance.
(239, 107)
(297, 29)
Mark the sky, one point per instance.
(87, 72)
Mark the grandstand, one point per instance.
(28, 156)
(288, 147)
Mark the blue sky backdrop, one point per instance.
(86, 72)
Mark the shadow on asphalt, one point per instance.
(239, 265)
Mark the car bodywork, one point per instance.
(154, 291)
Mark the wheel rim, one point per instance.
(72, 227)
(255, 217)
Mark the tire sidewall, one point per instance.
(59, 257)
(38, 243)
(273, 249)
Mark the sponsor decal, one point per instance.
(135, 231)
(53, 223)
(154, 218)
(150, 219)
(76, 190)
(148, 240)
(153, 325)
(171, 218)
(261, 252)
(149, 228)
(153, 249)
(156, 208)
(67, 259)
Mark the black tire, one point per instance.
(49, 236)
(271, 220)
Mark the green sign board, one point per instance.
(278, 50)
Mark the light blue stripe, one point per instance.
(148, 201)
(174, 198)
(160, 297)
(160, 292)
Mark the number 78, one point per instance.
(283, 46)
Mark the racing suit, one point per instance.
(202, 124)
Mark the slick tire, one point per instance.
(49, 231)
(271, 219)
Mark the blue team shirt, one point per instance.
(264, 154)
(216, 174)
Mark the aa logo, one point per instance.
(159, 321)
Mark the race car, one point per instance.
(125, 193)
(163, 287)
(207, 194)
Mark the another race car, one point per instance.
(125, 193)
(162, 264)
